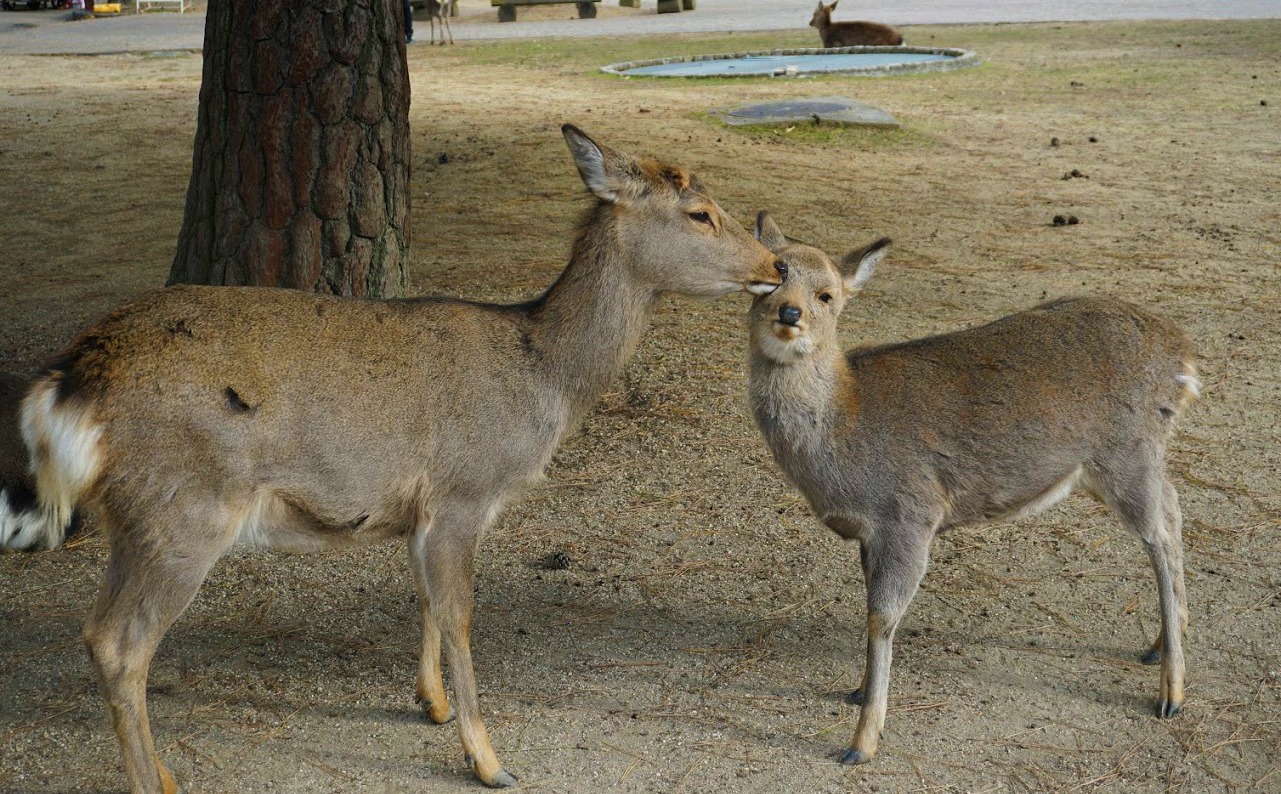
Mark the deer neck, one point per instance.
(589, 322)
(796, 404)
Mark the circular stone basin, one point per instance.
(866, 61)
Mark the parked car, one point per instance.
(33, 5)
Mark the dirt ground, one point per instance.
(707, 626)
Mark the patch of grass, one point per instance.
(807, 133)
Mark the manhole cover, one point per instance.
(804, 107)
(825, 109)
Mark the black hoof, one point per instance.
(852, 757)
(854, 698)
(426, 707)
(1167, 709)
(1151, 657)
(503, 779)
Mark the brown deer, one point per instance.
(195, 418)
(897, 443)
(439, 9)
(851, 34)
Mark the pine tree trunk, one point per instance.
(300, 175)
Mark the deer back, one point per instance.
(860, 34)
(851, 34)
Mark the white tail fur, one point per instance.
(65, 459)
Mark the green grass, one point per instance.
(806, 133)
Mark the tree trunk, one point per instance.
(300, 175)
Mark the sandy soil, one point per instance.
(707, 626)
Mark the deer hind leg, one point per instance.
(144, 593)
(1146, 503)
(444, 21)
(430, 693)
(448, 557)
(1174, 525)
(893, 573)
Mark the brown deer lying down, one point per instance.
(851, 34)
(895, 444)
(195, 418)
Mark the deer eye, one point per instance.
(826, 297)
(701, 217)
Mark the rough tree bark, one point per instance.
(300, 175)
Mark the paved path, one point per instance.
(49, 32)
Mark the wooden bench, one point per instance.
(182, 6)
(664, 6)
(507, 8)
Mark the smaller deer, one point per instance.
(439, 9)
(894, 444)
(851, 34)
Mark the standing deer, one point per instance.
(895, 444)
(195, 418)
(851, 34)
(439, 9)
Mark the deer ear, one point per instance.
(604, 171)
(768, 233)
(832, 7)
(858, 266)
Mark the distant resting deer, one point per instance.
(897, 443)
(851, 34)
(192, 419)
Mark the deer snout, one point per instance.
(770, 274)
(789, 314)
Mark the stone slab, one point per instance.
(825, 109)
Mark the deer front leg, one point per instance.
(449, 557)
(893, 566)
(430, 693)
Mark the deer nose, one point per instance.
(781, 267)
(788, 314)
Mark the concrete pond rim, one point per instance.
(949, 58)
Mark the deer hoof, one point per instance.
(1168, 708)
(1153, 656)
(853, 756)
(502, 779)
(427, 715)
(855, 697)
